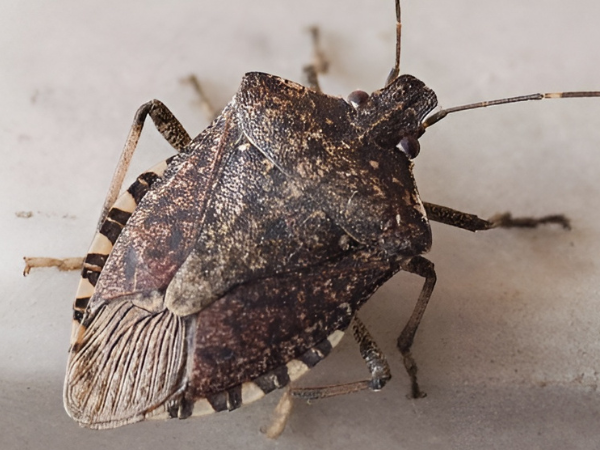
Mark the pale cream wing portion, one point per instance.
(130, 363)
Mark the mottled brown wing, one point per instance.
(263, 325)
(259, 223)
(128, 352)
(164, 227)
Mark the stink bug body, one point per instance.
(235, 266)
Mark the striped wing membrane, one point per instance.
(130, 362)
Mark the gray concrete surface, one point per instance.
(508, 350)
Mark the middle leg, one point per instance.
(319, 64)
(471, 222)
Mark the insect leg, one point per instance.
(167, 125)
(319, 64)
(281, 414)
(65, 264)
(117, 211)
(205, 104)
(424, 268)
(376, 363)
(172, 131)
(471, 222)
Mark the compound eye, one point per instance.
(410, 146)
(357, 98)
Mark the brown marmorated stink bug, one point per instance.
(232, 268)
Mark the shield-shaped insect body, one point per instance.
(230, 269)
(248, 252)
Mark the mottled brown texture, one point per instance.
(309, 178)
(264, 235)
(315, 181)
(326, 147)
(265, 323)
(268, 227)
(162, 230)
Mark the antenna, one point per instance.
(396, 70)
(434, 118)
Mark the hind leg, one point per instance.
(376, 363)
